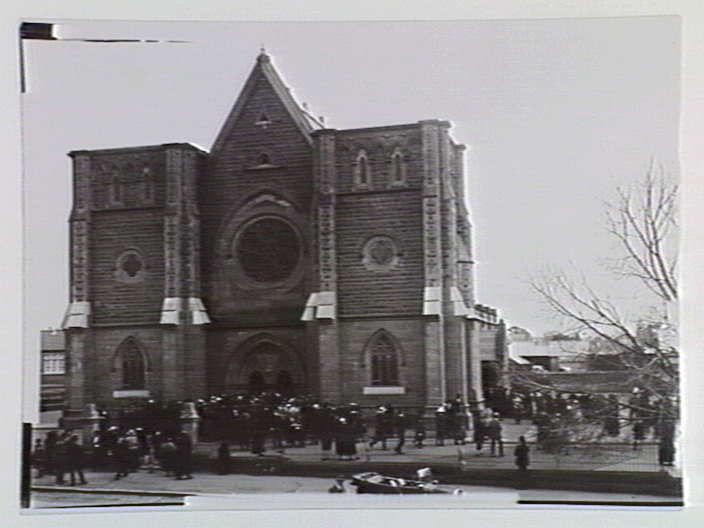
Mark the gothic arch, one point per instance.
(364, 358)
(362, 169)
(267, 356)
(264, 205)
(130, 365)
(397, 172)
(264, 199)
(383, 358)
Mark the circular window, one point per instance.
(380, 254)
(130, 267)
(268, 250)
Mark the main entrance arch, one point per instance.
(267, 364)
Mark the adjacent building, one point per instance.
(52, 374)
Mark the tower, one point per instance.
(134, 320)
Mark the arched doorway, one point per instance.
(491, 377)
(284, 382)
(255, 382)
(265, 365)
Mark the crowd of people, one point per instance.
(273, 422)
(60, 455)
(117, 449)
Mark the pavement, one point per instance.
(615, 455)
(611, 467)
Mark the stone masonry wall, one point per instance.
(356, 371)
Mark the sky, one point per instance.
(555, 113)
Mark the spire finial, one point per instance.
(263, 57)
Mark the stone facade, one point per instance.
(290, 257)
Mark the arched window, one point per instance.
(147, 184)
(131, 366)
(116, 190)
(264, 159)
(384, 361)
(363, 174)
(397, 168)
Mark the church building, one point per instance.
(291, 257)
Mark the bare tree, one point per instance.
(642, 220)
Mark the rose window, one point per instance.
(130, 267)
(380, 253)
(268, 250)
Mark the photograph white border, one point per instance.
(692, 253)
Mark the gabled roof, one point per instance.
(264, 68)
(540, 348)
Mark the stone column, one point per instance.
(75, 376)
(328, 342)
(474, 365)
(189, 420)
(433, 265)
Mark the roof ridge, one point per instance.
(265, 67)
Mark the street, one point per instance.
(234, 492)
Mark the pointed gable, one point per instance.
(255, 99)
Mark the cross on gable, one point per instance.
(263, 121)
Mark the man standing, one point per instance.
(74, 458)
(223, 460)
(494, 432)
(419, 430)
(61, 458)
(522, 454)
(381, 426)
(38, 458)
(184, 453)
(440, 425)
(400, 430)
(121, 457)
(479, 432)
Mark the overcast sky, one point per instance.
(556, 114)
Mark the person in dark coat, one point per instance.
(121, 458)
(460, 428)
(98, 450)
(39, 458)
(184, 453)
(50, 453)
(419, 431)
(479, 432)
(61, 458)
(325, 421)
(495, 433)
(666, 450)
(440, 425)
(521, 453)
(400, 425)
(74, 459)
(167, 456)
(342, 439)
(259, 424)
(382, 426)
(223, 460)
(133, 449)
(638, 433)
